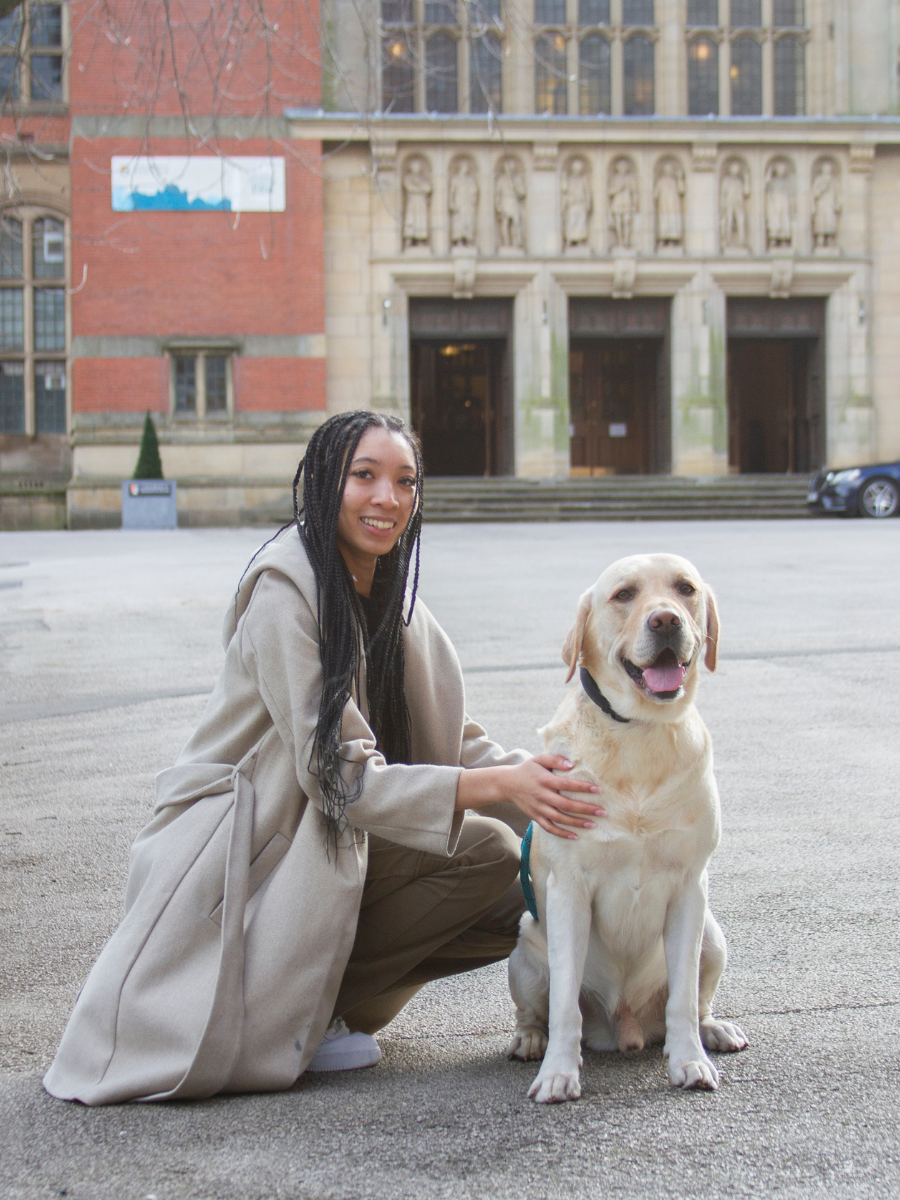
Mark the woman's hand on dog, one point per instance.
(534, 788)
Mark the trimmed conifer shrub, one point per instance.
(149, 464)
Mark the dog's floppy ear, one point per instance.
(574, 638)
(712, 632)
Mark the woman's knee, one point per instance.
(492, 845)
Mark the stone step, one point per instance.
(617, 498)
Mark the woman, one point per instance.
(311, 863)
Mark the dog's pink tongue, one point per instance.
(664, 679)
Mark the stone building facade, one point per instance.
(636, 236)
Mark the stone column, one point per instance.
(541, 374)
(699, 402)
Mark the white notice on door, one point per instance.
(620, 430)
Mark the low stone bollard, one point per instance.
(149, 504)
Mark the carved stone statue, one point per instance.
(622, 203)
(463, 205)
(733, 196)
(417, 187)
(509, 194)
(826, 205)
(577, 203)
(779, 205)
(667, 194)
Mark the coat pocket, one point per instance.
(261, 868)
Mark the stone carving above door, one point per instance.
(462, 202)
(734, 192)
(622, 193)
(509, 204)
(780, 204)
(668, 199)
(577, 202)
(825, 204)
(417, 189)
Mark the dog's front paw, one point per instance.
(553, 1086)
(693, 1073)
(722, 1036)
(528, 1042)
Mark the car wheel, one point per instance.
(879, 498)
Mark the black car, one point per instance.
(857, 491)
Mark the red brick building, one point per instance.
(209, 315)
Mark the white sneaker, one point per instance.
(341, 1050)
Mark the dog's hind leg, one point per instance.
(723, 1036)
(529, 985)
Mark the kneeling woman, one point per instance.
(311, 863)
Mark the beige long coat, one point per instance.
(238, 924)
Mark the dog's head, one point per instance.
(640, 631)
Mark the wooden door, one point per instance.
(457, 405)
(772, 404)
(613, 385)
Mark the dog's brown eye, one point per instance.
(686, 589)
(624, 594)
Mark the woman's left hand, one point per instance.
(534, 789)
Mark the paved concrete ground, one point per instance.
(107, 643)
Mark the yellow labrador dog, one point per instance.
(625, 951)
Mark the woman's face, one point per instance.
(378, 500)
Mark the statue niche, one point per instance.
(577, 203)
(668, 196)
(417, 189)
(462, 203)
(734, 192)
(622, 194)
(509, 204)
(825, 204)
(779, 205)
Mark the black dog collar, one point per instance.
(594, 693)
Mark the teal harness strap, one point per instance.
(525, 872)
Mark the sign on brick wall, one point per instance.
(208, 183)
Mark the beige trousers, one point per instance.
(424, 917)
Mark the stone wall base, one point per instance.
(44, 509)
(99, 506)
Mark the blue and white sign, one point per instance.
(198, 184)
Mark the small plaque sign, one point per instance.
(618, 430)
(149, 487)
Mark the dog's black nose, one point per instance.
(664, 621)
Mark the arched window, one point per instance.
(440, 74)
(637, 12)
(397, 80)
(703, 12)
(746, 14)
(549, 12)
(638, 90)
(746, 77)
(550, 76)
(790, 83)
(703, 77)
(594, 90)
(593, 12)
(32, 352)
(787, 14)
(485, 75)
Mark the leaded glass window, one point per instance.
(48, 249)
(215, 370)
(485, 75)
(637, 12)
(790, 84)
(12, 397)
(787, 14)
(703, 77)
(550, 12)
(185, 383)
(593, 12)
(10, 248)
(440, 74)
(397, 76)
(746, 14)
(49, 319)
(50, 397)
(746, 77)
(12, 319)
(594, 86)
(703, 12)
(638, 90)
(550, 76)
